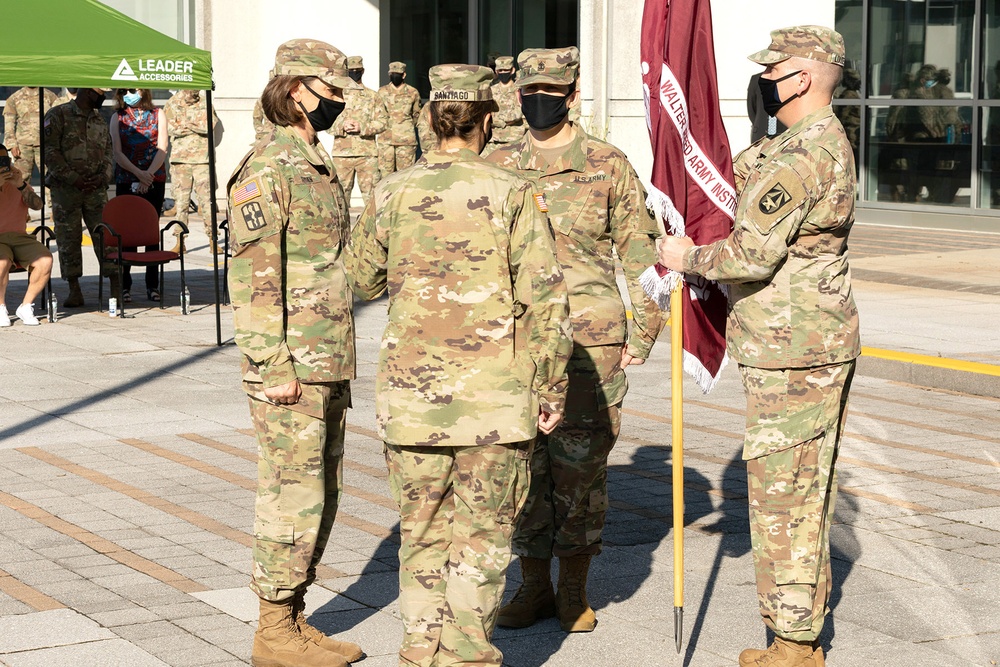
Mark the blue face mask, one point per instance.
(132, 99)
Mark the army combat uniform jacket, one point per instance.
(77, 145)
(188, 127)
(403, 107)
(597, 203)
(478, 334)
(791, 304)
(292, 307)
(20, 118)
(364, 106)
(508, 122)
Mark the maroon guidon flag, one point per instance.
(692, 183)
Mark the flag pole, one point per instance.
(677, 452)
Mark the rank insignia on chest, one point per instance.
(540, 202)
(774, 200)
(246, 192)
(253, 215)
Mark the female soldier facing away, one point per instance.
(294, 326)
(472, 364)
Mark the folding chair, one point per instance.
(131, 221)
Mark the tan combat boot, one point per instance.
(784, 653)
(75, 298)
(170, 212)
(278, 642)
(534, 600)
(575, 615)
(178, 244)
(352, 652)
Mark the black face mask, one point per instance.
(323, 116)
(396, 78)
(505, 76)
(355, 74)
(769, 92)
(544, 111)
(95, 99)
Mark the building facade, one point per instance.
(920, 99)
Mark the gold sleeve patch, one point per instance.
(540, 202)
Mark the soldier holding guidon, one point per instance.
(292, 310)
(472, 366)
(596, 205)
(793, 328)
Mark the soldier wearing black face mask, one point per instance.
(397, 146)
(508, 122)
(355, 151)
(596, 205)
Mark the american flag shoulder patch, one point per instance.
(246, 192)
(541, 203)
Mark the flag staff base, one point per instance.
(678, 627)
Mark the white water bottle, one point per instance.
(185, 301)
(53, 307)
(112, 307)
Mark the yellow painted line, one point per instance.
(936, 362)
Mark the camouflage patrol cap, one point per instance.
(461, 83)
(310, 57)
(505, 62)
(557, 66)
(396, 67)
(813, 42)
(355, 62)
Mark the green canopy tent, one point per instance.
(85, 44)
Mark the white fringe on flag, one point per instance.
(700, 374)
(659, 288)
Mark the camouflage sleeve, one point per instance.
(55, 161)
(10, 125)
(415, 107)
(634, 231)
(109, 160)
(759, 242)
(257, 212)
(368, 257)
(510, 113)
(742, 165)
(51, 99)
(379, 120)
(539, 287)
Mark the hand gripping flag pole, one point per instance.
(692, 192)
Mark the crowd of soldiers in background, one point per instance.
(381, 130)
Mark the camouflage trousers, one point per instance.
(568, 500)
(69, 205)
(795, 420)
(188, 177)
(395, 158)
(457, 507)
(366, 170)
(299, 479)
(30, 158)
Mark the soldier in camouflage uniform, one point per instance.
(793, 328)
(397, 146)
(596, 204)
(187, 124)
(79, 168)
(292, 311)
(472, 365)
(355, 152)
(21, 132)
(509, 125)
(428, 140)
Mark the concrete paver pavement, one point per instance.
(127, 480)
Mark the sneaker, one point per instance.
(26, 313)
(4, 317)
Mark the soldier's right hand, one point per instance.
(284, 394)
(547, 421)
(15, 151)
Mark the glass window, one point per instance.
(921, 43)
(919, 154)
(991, 50)
(989, 165)
(424, 33)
